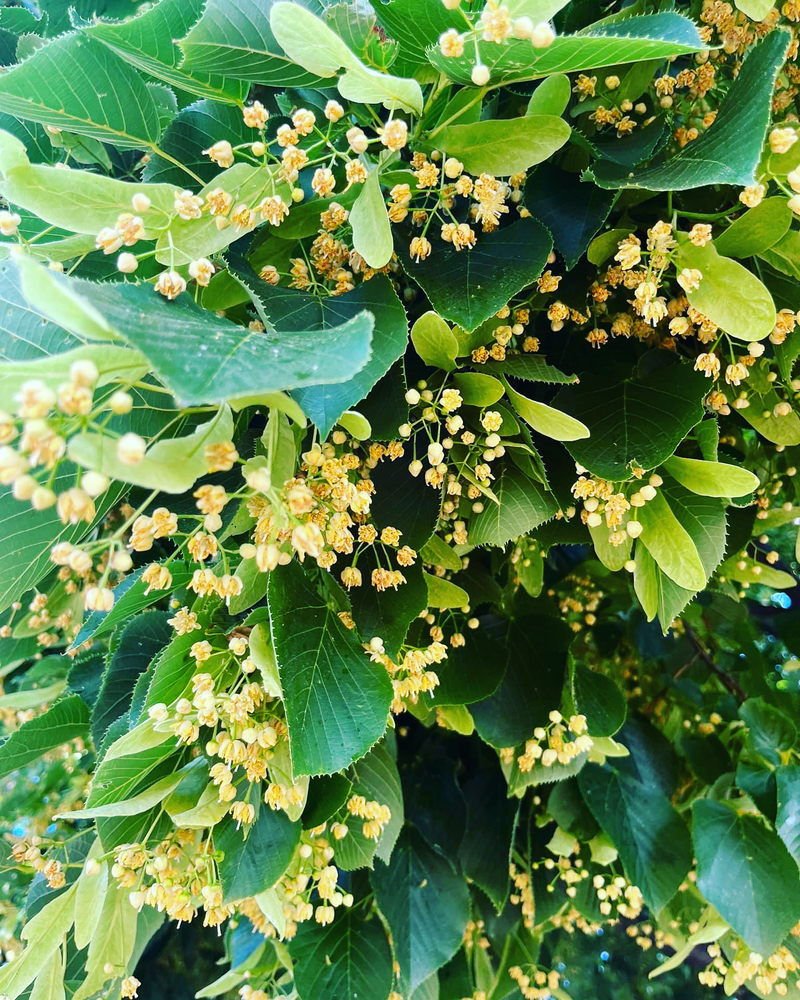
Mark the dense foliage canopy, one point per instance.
(398, 445)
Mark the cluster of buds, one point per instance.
(443, 194)
(556, 743)
(411, 674)
(496, 24)
(375, 816)
(310, 875)
(248, 737)
(535, 983)
(29, 853)
(458, 455)
(619, 507)
(324, 513)
(178, 876)
(40, 426)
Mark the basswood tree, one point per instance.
(398, 440)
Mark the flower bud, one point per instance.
(131, 449)
(140, 202)
(542, 36)
(127, 263)
(42, 498)
(121, 402)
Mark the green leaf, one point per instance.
(255, 864)
(771, 734)
(62, 722)
(784, 430)
(745, 569)
(634, 39)
(711, 479)
(172, 465)
(545, 419)
(348, 958)
(523, 505)
(310, 42)
(112, 943)
(756, 10)
(137, 643)
(530, 367)
(704, 520)
(44, 933)
(444, 594)
(729, 294)
(426, 905)
(757, 230)
(551, 96)
(148, 41)
(63, 84)
(184, 240)
(730, 150)
(372, 232)
(387, 613)
(235, 39)
(78, 201)
(436, 552)
(573, 211)
(434, 341)
(746, 873)
(635, 421)
(470, 673)
(133, 806)
(89, 898)
(504, 146)
(49, 983)
(596, 696)
(469, 286)
(485, 851)
(292, 310)
(205, 359)
(336, 699)
(327, 794)
(532, 684)
(670, 544)
(375, 777)
(652, 839)
(415, 24)
(787, 823)
(477, 389)
(193, 129)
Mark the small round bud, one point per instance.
(127, 263)
(121, 402)
(131, 449)
(42, 498)
(404, 430)
(542, 36)
(140, 202)
(84, 372)
(412, 397)
(92, 867)
(480, 75)
(121, 561)
(634, 528)
(94, 483)
(298, 194)
(258, 149)
(24, 487)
